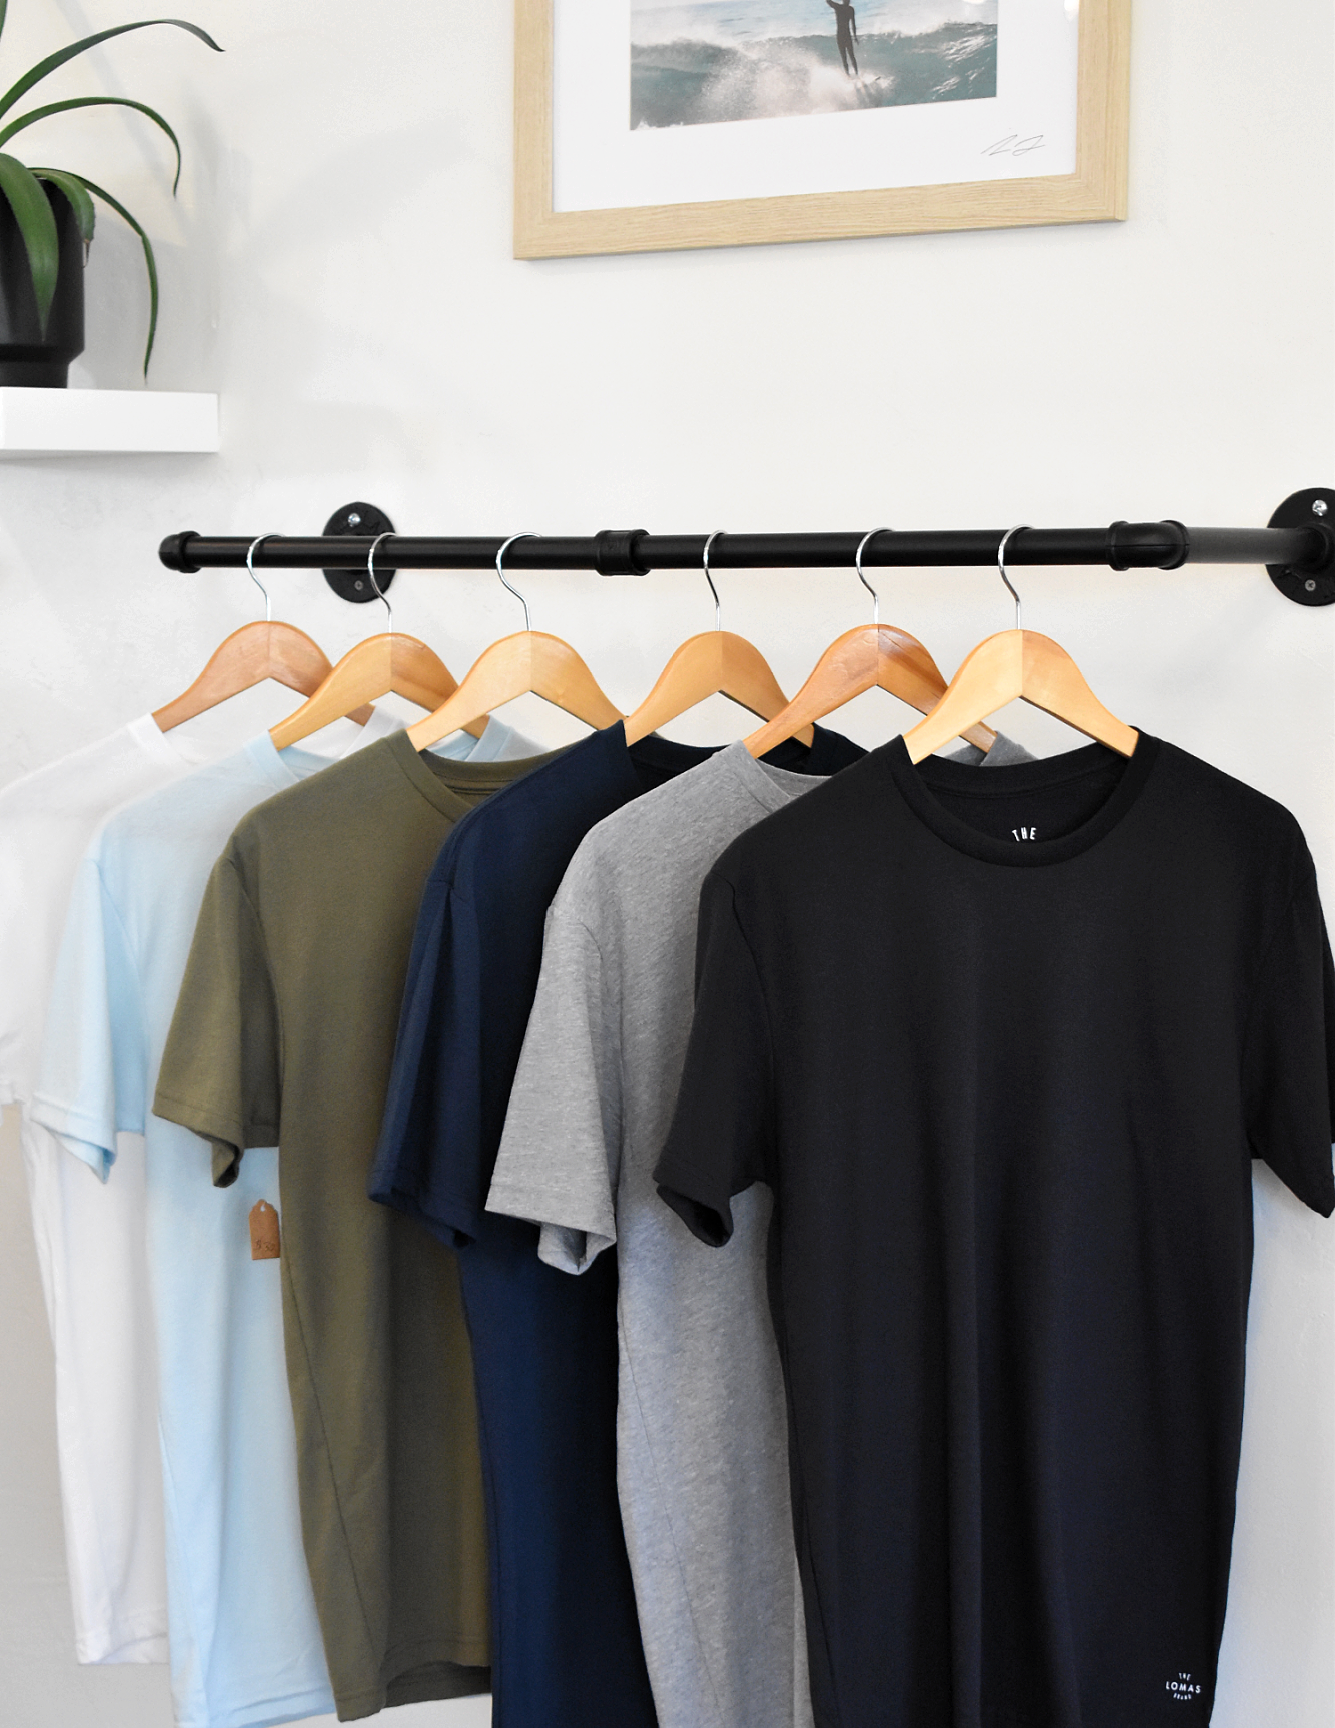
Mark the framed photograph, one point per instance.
(643, 125)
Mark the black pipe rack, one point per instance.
(1297, 548)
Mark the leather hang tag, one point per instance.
(264, 1240)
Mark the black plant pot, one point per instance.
(27, 356)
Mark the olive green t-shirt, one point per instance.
(284, 1035)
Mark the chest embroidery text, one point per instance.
(1183, 1689)
(1025, 833)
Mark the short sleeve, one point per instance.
(431, 1134)
(721, 1137)
(94, 1061)
(560, 1157)
(221, 1068)
(1289, 1051)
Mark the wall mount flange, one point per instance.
(363, 519)
(1310, 584)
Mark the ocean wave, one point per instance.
(688, 82)
(733, 23)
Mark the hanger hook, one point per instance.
(857, 562)
(250, 571)
(370, 571)
(500, 554)
(718, 610)
(1001, 567)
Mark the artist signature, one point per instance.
(1015, 145)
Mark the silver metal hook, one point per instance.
(718, 610)
(500, 554)
(857, 561)
(250, 571)
(1001, 567)
(370, 571)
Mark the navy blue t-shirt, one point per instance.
(566, 1648)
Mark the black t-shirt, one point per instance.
(1005, 1047)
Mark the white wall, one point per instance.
(338, 267)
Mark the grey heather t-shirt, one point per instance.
(702, 1456)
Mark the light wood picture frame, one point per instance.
(1094, 192)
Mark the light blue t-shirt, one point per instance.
(244, 1637)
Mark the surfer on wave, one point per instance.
(846, 33)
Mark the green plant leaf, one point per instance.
(80, 202)
(37, 224)
(4, 7)
(150, 261)
(24, 120)
(52, 61)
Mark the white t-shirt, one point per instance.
(245, 1640)
(106, 1407)
(90, 1241)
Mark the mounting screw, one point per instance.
(359, 517)
(1310, 579)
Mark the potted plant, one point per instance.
(46, 227)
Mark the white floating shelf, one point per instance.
(37, 422)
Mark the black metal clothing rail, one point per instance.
(634, 552)
(1298, 548)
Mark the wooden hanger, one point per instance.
(715, 663)
(246, 658)
(529, 662)
(874, 656)
(388, 663)
(1018, 663)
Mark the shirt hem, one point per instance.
(265, 1713)
(690, 1193)
(200, 1120)
(462, 1653)
(567, 1248)
(547, 1212)
(139, 1641)
(221, 1131)
(449, 1677)
(1009, 1719)
(76, 1131)
(455, 1223)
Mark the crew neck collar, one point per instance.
(284, 768)
(168, 747)
(618, 757)
(916, 783)
(490, 747)
(789, 759)
(380, 723)
(622, 762)
(275, 765)
(771, 787)
(655, 751)
(442, 781)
